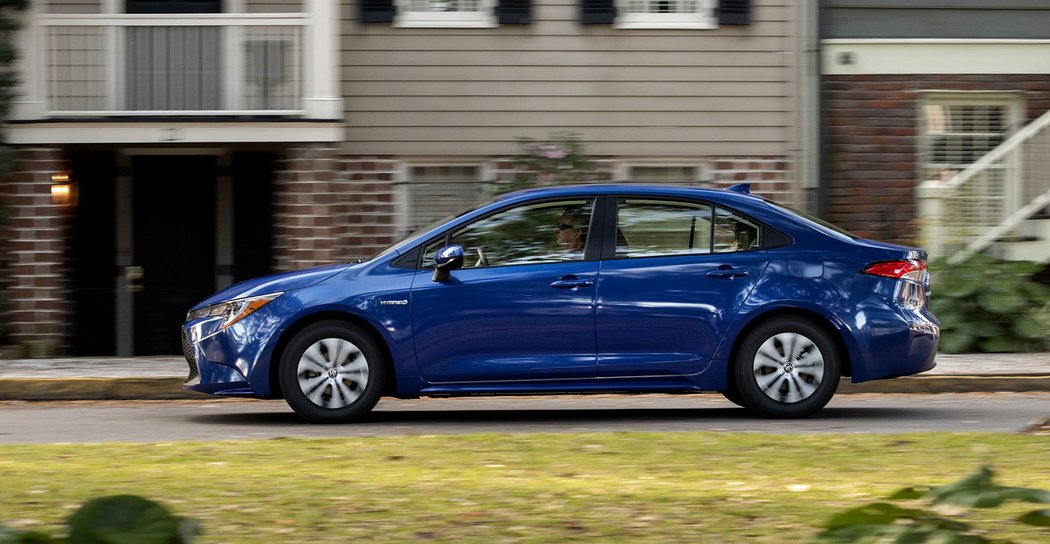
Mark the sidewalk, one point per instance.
(116, 378)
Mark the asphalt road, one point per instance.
(153, 421)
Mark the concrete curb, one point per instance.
(43, 389)
(95, 389)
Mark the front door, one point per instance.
(522, 308)
(172, 258)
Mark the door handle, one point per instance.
(727, 272)
(133, 274)
(571, 282)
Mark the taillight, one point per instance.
(908, 270)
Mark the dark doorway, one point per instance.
(252, 174)
(173, 203)
(92, 328)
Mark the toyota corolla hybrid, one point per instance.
(585, 289)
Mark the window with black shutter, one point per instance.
(600, 12)
(174, 6)
(377, 11)
(514, 12)
(734, 12)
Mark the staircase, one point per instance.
(996, 205)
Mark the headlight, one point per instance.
(233, 311)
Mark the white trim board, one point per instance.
(861, 57)
(171, 133)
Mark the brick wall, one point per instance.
(332, 208)
(770, 177)
(35, 264)
(871, 147)
(371, 192)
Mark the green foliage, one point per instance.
(558, 160)
(117, 519)
(885, 522)
(989, 305)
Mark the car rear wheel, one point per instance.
(732, 395)
(787, 367)
(332, 372)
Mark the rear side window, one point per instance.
(650, 228)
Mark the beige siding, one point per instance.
(699, 93)
(72, 6)
(273, 6)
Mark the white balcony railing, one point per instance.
(988, 201)
(172, 65)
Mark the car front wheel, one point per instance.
(332, 372)
(787, 367)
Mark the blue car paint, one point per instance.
(458, 343)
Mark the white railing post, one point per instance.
(321, 62)
(31, 98)
(932, 230)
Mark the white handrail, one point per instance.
(996, 154)
(1001, 229)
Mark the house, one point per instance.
(935, 116)
(202, 142)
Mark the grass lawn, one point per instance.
(667, 487)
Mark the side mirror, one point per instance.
(447, 259)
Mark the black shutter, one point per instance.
(602, 12)
(734, 12)
(514, 12)
(377, 11)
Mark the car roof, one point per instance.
(630, 188)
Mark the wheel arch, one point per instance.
(826, 324)
(330, 315)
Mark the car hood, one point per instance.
(285, 281)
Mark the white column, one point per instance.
(31, 99)
(322, 97)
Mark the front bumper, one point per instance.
(226, 362)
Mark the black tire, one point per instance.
(732, 395)
(798, 367)
(342, 378)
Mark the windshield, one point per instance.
(816, 220)
(411, 237)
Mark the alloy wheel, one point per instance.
(332, 373)
(788, 367)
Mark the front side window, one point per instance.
(446, 13)
(667, 14)
(547, 232)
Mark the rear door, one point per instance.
(679, 274)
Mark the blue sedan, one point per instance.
(585, 289)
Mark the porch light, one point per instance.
(61, 188)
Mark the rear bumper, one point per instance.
(909, 347)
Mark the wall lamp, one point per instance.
(61, 189)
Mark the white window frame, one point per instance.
(484, 17)
(1012, 101)
(705, 18)
(403, 179)
(624, 171)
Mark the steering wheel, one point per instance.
(483, 260)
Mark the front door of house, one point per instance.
(166, 248)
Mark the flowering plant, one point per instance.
(558, 160)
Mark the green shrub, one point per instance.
(117, 519)
(933, 522)
(985, 304)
